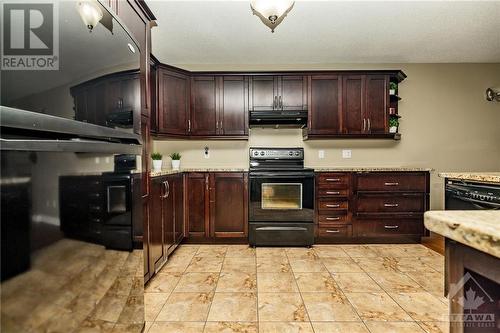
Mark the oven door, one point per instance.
(281, 197)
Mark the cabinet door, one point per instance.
(203, 105)
(353, 113)
(156, 250)
(233, 113)
(168, 214)
(173, 102)
(292, 93)
(377, 96)
(178, 185)
(325, 104)
(263, 93)
(228, 204)
(197, 205)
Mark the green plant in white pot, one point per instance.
(393, 88)
(157, 161)
(393, 125)
(176, 160)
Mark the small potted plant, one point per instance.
(393, 88)
(176, 160)
(393, 125)
(157, 161)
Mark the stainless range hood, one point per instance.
(278, 119)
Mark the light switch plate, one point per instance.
(206, 152)
(346, 153)
(321, 154)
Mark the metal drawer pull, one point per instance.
(391, 226)
(332, 192)
(391, 205)
(333, 218)
(391, 184)
(333, 206)
(333, 231)
(333, 179)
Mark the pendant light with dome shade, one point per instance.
(90, 12)
(271, 12)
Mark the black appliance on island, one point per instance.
(281, 204)
(462, 195)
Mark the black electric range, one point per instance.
(281, 204)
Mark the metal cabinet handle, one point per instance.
(189, 125)
(217, 125)
(369, 126)
(168, 189)
(391, 226)
(333, 179)
(333, 218)
(336, 231)
(391, 184)
(391, 205)
(165, 190)
(275, 102)
(280, 102)
(332, 192)
(333, 206)
(364, 124)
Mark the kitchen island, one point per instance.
(472, 272)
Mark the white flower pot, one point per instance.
(157, 165)
(176, 164)
(393, 129)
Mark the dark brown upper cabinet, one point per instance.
(278, 93)
(377, 101)
(233, 106)
(173, 102)
(204, 105)
(325, 104)
(353, 104)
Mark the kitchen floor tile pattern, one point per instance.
(328, 288)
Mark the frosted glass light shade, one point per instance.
(90, 13)
(271, 12)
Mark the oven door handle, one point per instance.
(280, 229)
(281, 175)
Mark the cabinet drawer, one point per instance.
(329, 204)
(390, 203)
(335, 231)
(390, 227)
(332, 192)
(333, 218)
(391, 182)
(333, 179)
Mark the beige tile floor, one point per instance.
(329, 288)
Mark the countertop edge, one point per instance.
(486, 177)
(471, 233)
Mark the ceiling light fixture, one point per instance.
(271, 12)
(90, 13)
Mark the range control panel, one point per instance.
(277, 153)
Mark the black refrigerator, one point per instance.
(71, 257)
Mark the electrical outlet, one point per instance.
(97, 160)
(321, 154)
(107, 160)
(346, 153)
(206, 152)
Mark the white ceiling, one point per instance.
(226, 32)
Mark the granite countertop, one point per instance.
(479, 229)
(361, 169)
(489, 177)
(165, 172)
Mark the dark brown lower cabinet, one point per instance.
(166, 229)
(365, 207)
(217, 206)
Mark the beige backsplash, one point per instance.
(446, 125)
